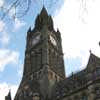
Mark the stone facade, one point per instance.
(44, 74)
(84, 85)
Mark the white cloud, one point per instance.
(2, 25)
(79, 36)
(4, 89)
(4, 36)
(18, 24)
(8, 57)
(1, 3)
(4, 39)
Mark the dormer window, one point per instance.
(84, 97)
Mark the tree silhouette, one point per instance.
(19, 8)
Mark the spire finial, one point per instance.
(8, 97)
(90, 51)
(57, 29)
(9, 94)
(44, 11)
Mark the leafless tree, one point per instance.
(18, 7)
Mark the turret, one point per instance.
(8, 97)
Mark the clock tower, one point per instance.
(43, 64)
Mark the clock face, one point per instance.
(35, 40)
(53, 40)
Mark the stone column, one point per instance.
(97, 91)
(91, 92)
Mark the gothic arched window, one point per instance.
(98, 70)
(84, 97)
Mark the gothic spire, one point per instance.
(8, 97)
(43, 19)
(43, 12)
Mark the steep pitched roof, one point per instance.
(93, 59)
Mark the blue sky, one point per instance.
(78, 23)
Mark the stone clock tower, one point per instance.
(43, 64)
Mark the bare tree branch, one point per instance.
(17, 4)
(7, 11)
(21, 7)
